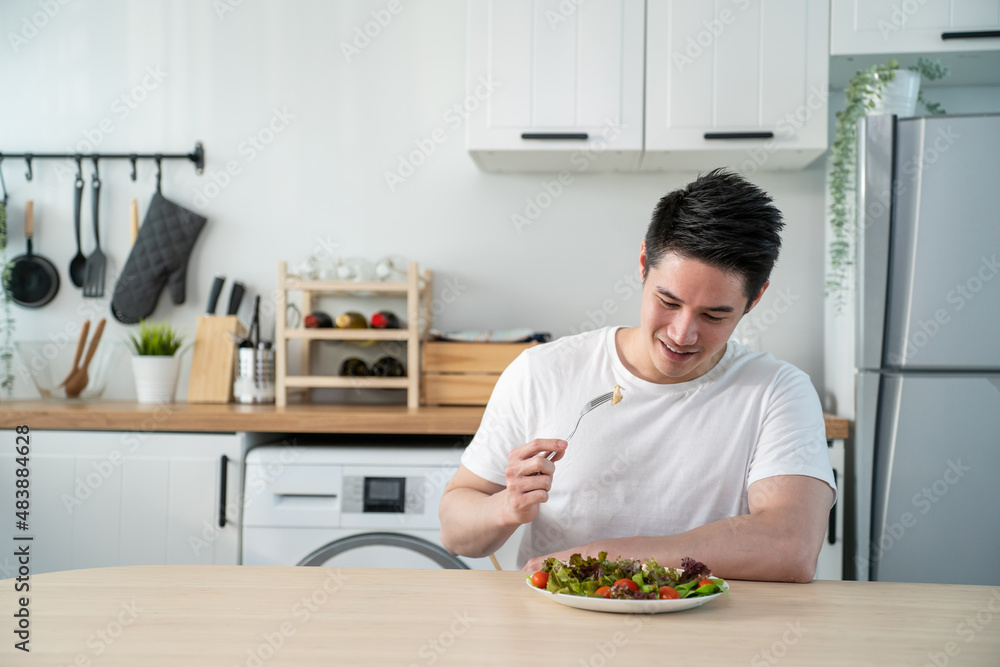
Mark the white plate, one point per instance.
(626, 606)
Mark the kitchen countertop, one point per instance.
(127, 416)
(282, 616)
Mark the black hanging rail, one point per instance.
(197, 156)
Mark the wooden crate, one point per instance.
(463, 373)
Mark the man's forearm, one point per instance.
(741, 547)
(470, 522)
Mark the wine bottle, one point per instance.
(385, 319)
(318, 320)
(351, 320)
(354, 367)
(388, 367)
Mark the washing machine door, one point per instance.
(383, 550)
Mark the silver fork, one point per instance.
(600, 400)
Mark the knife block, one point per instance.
(211, 379)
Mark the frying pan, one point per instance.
(34, 281)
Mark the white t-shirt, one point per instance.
(667, 458)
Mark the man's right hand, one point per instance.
(529, 478)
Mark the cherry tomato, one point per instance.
(540, 579)
(604, 591)
(668, 593)
(705, 582)
(628, 583)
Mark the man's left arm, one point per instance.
(779, 540)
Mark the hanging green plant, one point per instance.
(7, 339)
(863, 91)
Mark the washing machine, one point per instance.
(352, 505)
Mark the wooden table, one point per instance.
(270, 616)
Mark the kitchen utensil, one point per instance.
(34, 281)
(600, 400)
(133, 214)
(78, 265)
(213, 295)
(158, 259)
(235, 297)
(254, 334)
(93, 285)
(614, 396)
(254, 381)
(47, 362)
(84, 330)
(77, 382)
(211, 379)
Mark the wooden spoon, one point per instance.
(79, 351)
(78, 382)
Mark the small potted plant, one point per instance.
(156, 364)
(879, 89)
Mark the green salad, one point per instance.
(626, 579)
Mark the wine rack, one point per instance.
(416, 290)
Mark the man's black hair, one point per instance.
(721, 220)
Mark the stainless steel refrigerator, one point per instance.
(927, 437)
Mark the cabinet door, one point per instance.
(913, 26)
(741, 83)
(100, 499)
(550, 78)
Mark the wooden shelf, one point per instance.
(337, 382)
(416, 291)
(347, 288)
(348, 334)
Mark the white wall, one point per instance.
(321, 180)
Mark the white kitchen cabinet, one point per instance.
(555, 84)
(913, 26)
(830, 564)
(741, 83)
(101, 499)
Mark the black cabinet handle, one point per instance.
(223, 477)
(832, 531)
(554, 135)
(973, 34)
(739, 135)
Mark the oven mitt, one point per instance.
(159, 257)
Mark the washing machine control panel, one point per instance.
(384, 495)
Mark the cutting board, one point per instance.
(211, 379)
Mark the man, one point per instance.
(715, 452)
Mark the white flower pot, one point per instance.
(900, 95)
(156, 378)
